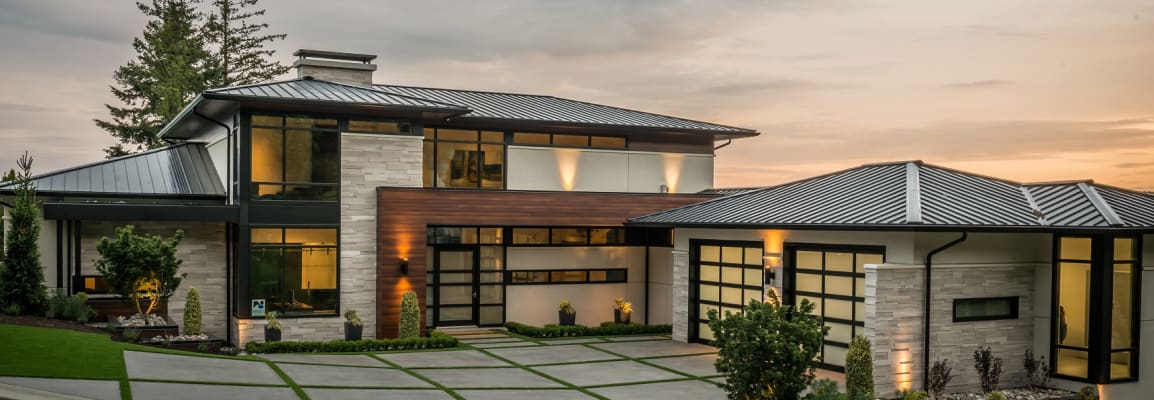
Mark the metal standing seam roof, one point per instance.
(183, 170)
(554, 109)
(309, 89)
(916, 194)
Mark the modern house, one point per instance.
(898, 250)
(326, 193)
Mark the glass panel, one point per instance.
(456, 260)
(816, 303)
(842, 262)
(456, 294)
(311, 192)
(427, 165)
(267, 155)
(839, 285)
(491, 315)
(531, 138)
(529, 277)
(456, 277)
(312, 157)
(859, 311)
(753, 256)
(703, 311)
(318, 268)
(309, 281)
(570, 236)
(456, 313)
(1074, 248)
(710, 253)
(726, 311)
(753, 277)
(469, 235)
(606, 236)
(1122, 313)
(447, 235)
(267, 120)
(704, 332)
(429, 133)
(865, 258)
(839, 309)
(1123, 249)
(493, 137)
(308, 123)
(567, 276)
(809, 282)
(978, 308)
(859, 286)
(268, 192)
(267, 236)
(710, 273)
(1073, 304)
(839, 332)
(491, 258)
(731, 296)
(596, 276)
(752, 295)
(311, 236)
(379, 126)
(834, 355)
(490, 294)
(492, 166)
(457, 165)
(608, 142)
(709, 292)
(619, 275)
(456, 134)
(489, 277)
(530, 236)
(809, 259)
(1073, 363)
(1120, 365)
(731, 275)
(264, 277)
(491, 236)
(571, 140)
(732, 255)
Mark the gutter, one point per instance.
(926, 324)
(727, 143)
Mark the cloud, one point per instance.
(1133, 165)
(982, 84)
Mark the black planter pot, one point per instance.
(353, 332)
(620, 317)
(271, 335)
(567, 319)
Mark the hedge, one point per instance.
(606, 329)
(436, 340)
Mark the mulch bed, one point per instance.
(27, 320)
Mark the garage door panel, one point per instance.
(727, 276)
(834, 279)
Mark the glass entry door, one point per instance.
(469, 286)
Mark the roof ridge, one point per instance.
(258, 84)
(374, 89)
(1101, 204)
(1058, 183)
(106, 161)
(466, 90)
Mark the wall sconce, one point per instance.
(772, 260)
(770, 275)
(664, 188)
(404, 265)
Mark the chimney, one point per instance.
(348, 68)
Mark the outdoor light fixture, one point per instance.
(404, 265)
(772, 260)
(664, 188)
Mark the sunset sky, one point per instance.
(1033, 90)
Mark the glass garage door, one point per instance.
(725, 277)
(834, 280)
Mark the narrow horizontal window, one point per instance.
(379, 126)
(566, 276)
(985, 309)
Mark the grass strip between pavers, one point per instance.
(546, 376)
(289, 380)
(125, 389)
(643, 362)
(435, 384)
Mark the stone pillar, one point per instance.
(681, 295)
(894, 306)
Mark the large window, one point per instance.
(1096, 292)
(456, 158)
(295, 158)
(294, 270)
(833, 278)
(726, 277)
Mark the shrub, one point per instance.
(567, 307)
(21, 276)
(996, 395)
(353, 319)
(824, 389)
(606, 329)
(436, 340)
(69, 308)
(140, 267)
(1086, 393)
(192, 313)
(989, 369)
(859, 369)
(769, 351)
(130, 335)
(410, 316)
(271, 322)
(1037, 370)
(940, 377)
(915, 395)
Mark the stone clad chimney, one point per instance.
(348, 68)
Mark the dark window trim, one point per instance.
(243, 309)
(434, 139)
(553, 143)
(248, 128)
(625, 277)
(1013, 312)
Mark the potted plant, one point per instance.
(622, 311)
(272, 327)
(566, 314)
(353, 325)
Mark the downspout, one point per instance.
(926, 326)
(727, 143)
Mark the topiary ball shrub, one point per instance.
(859, 369)
(410, 316)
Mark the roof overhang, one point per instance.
(530, 125)
(899, 228)
(188, 123)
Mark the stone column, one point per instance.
(893, 323)
(681, 295)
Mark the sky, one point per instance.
(1027, 90)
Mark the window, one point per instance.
(456, 158)
(295, 158)
(386, 127)
(565, 140)
(294, 270)
(569, 236)
(566, 276)
(985, 309)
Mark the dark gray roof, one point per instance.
(728, 191)
(315, 90)
(183, 170)
(915, 194)
(554, 109)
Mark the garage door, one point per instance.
(724, 276)
(833, 278)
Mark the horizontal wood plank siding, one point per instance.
(404, 213)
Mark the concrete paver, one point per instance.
(91, 389)
(437, 359)
(554, 342)
(189, 391)
(605, 373)
(664, 390)
(375, 394)
(168, 367)
(325, 375)
(655, 348)
(552, 354)
(487, 378)
(355, 360)
(552, 394)
(700, 365)
(469, 340)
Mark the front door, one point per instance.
(455, 277)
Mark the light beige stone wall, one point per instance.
(681, 295)
(894, 316)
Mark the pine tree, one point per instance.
(10, 176)
(171, 67)
(240, 56)
(22, 277)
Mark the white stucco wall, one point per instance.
(218, 151)
(598, 170)
(660, 285)
(537, 304)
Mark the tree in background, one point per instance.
(239, 53)
(171, 67)
(10, 176)
(21, 277)
(142, 268)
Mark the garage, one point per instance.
(724, 276)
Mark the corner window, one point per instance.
(455, 158)
(295, 158)
(985, 309)
(295, 270)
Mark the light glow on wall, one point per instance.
(773, 240)
(567, 160)
(673, 163)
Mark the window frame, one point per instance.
(1013, 302)
(695, 301)
(586, 271)
(431, 137)
(553, 141)
(252, 184)
(245, 313)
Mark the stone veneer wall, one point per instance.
(203, 253)
(893, 323)
(368, 161)
(681, 295)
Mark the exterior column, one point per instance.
(893, 323)
(681, 295)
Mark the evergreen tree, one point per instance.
(22, 278)
(10, 176)
(240, 55)
(171, 67)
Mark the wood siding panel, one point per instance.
(403, 214)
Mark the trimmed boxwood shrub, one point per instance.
(410, 326)
(606, 329)
(436, 340)
(859, 369)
